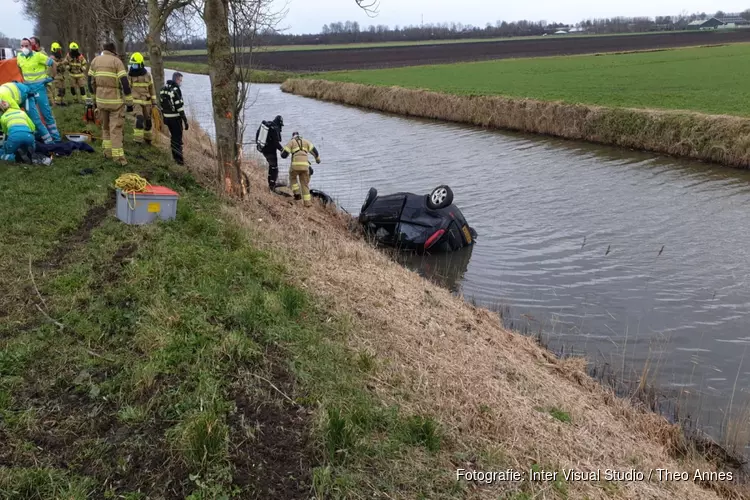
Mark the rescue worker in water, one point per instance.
(299, 172)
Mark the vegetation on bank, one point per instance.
(177, 359)
(715, 138)
(704, 79)
(256, 75)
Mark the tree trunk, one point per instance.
(153, 41)
(118, 32)
(223, 94)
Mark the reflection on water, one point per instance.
(446, 269)
(632, 257)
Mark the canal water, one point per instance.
(638, 261)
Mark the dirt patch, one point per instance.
(80, 235)
(276, 461)
(110, 272)
(384, 57)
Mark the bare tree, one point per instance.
(369, 6)
(159, 13)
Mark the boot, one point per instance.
(121, 161)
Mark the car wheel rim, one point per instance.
(439, 196)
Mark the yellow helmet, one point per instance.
(55, 46)
(73, 46)
(136, 58)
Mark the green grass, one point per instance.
(256, 76)
(151, 361)
(707, 79)
(366, 45)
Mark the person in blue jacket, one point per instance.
(34, 66)
(19, 134)
(19, 95)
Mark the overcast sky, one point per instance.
(309, 16)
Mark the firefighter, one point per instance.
(34, 66)
(173, 110)
(299, 172)
(76, 65)
(108, 83)
(19, 134)
(61, 67)
(18, 95)
(269, 149)
(143, 97)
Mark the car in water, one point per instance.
(428, 223)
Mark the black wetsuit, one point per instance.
(273, 145)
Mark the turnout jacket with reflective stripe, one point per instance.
(76, 65)
(108, 80)
(143, 89)
(299, 149)
(172, 104)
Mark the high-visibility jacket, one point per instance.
(108, 80)
(143, 88)
(299, 149)
(14, 94)
(172, 105)
(16, 120)
(76, 65)
(34, 66)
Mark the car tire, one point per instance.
(371, 195)
(440, 197)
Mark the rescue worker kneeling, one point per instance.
(299, 173)
(19, 134)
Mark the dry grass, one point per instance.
(716, 138)
(437, 355)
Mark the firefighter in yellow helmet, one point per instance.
(143, 97)
(108, 82)
(299, 173)
(76, 65)
(61, 65)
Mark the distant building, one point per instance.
(561, 32)
(736, 20)
(704, 24)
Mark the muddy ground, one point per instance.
(382, 57)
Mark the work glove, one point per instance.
(187, 126)
(317, 160)
(129, 108)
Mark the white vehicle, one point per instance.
(7, 53)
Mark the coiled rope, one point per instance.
(131, 184)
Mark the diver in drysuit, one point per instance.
(271, 147)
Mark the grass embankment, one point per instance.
(263, 350)
(256, 75)
(175, 359)
(648, 100)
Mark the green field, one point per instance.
(281, 48)
(256, 75)
(706, 79)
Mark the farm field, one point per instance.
(372, 45)
(705, 79)
(400, 56)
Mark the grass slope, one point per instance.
(176, 360)
(706, 79)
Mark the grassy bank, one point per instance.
(259, 350)
(704, 79)
(177, 359)
(716, 138)
(256, 76)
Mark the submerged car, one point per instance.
(419, 223)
